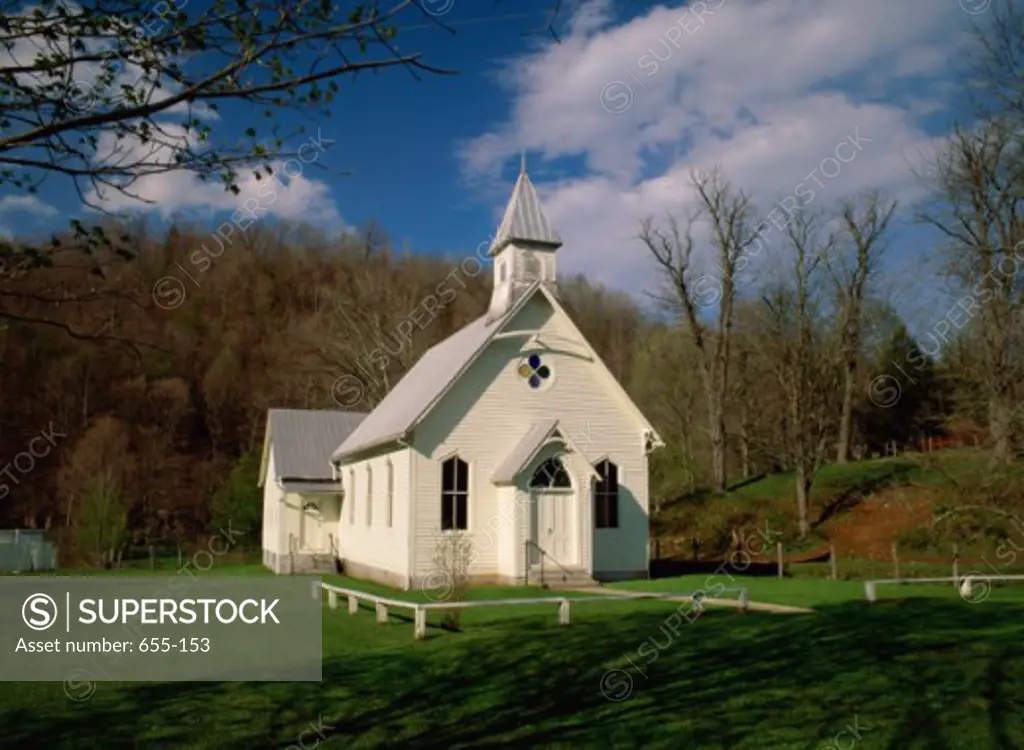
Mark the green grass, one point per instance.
(811, 592)
(832, 480)
(948, 478)
(924, 671)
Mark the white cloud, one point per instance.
(765, 90)
(26, 204)
(22, 209)
(290, 194)
(84, 93)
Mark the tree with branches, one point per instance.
(728, 214)
(798, 348)
(103, 93)
(864, 224)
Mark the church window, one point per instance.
(551, 475)
(534, 371)
(606, 496)
(454, 494)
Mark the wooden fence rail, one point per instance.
(966, 584)
(382, 604)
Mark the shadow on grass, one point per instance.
(921, 673)
(674, 567)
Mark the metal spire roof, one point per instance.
(524, 219)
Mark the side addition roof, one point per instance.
(302, 441)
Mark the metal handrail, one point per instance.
(565, 572)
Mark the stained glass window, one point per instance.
(534, 371)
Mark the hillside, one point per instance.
(923, 502)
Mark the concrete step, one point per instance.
(562, 579)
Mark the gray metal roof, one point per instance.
(418, 388)
(302, 440)
(524, 219)
(426, 382)
(312, 488)
(524, 451)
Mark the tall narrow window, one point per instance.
(391, 492)
(369, 496)
(454, 494)
(606, 496)
(351, 497)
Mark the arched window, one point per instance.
(551, 475)
(454, 495)
(606, 496)
(369, 496)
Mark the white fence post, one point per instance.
(382, 614)
(332, 599)
(563, 612)
(869, 590)
(353, 604)
(967, 587)
(744, 601)
(421, 624)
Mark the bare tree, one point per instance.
(798, 347)
(979, 207)
(452, 558)
(368, 337)
(864, 224)
(996, 59)
(729, 216)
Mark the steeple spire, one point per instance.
(523, 248)
(524, 221)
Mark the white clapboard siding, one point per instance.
(489, 411)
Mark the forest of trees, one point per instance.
(134, 385)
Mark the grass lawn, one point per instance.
(816, 592)
(926, 671)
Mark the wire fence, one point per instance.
(25, 550)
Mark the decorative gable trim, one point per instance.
(525, 452)
(614, 384)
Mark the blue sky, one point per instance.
(613, 119)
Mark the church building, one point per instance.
(511, 433)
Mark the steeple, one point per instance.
(524, 246)
(524, 220)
